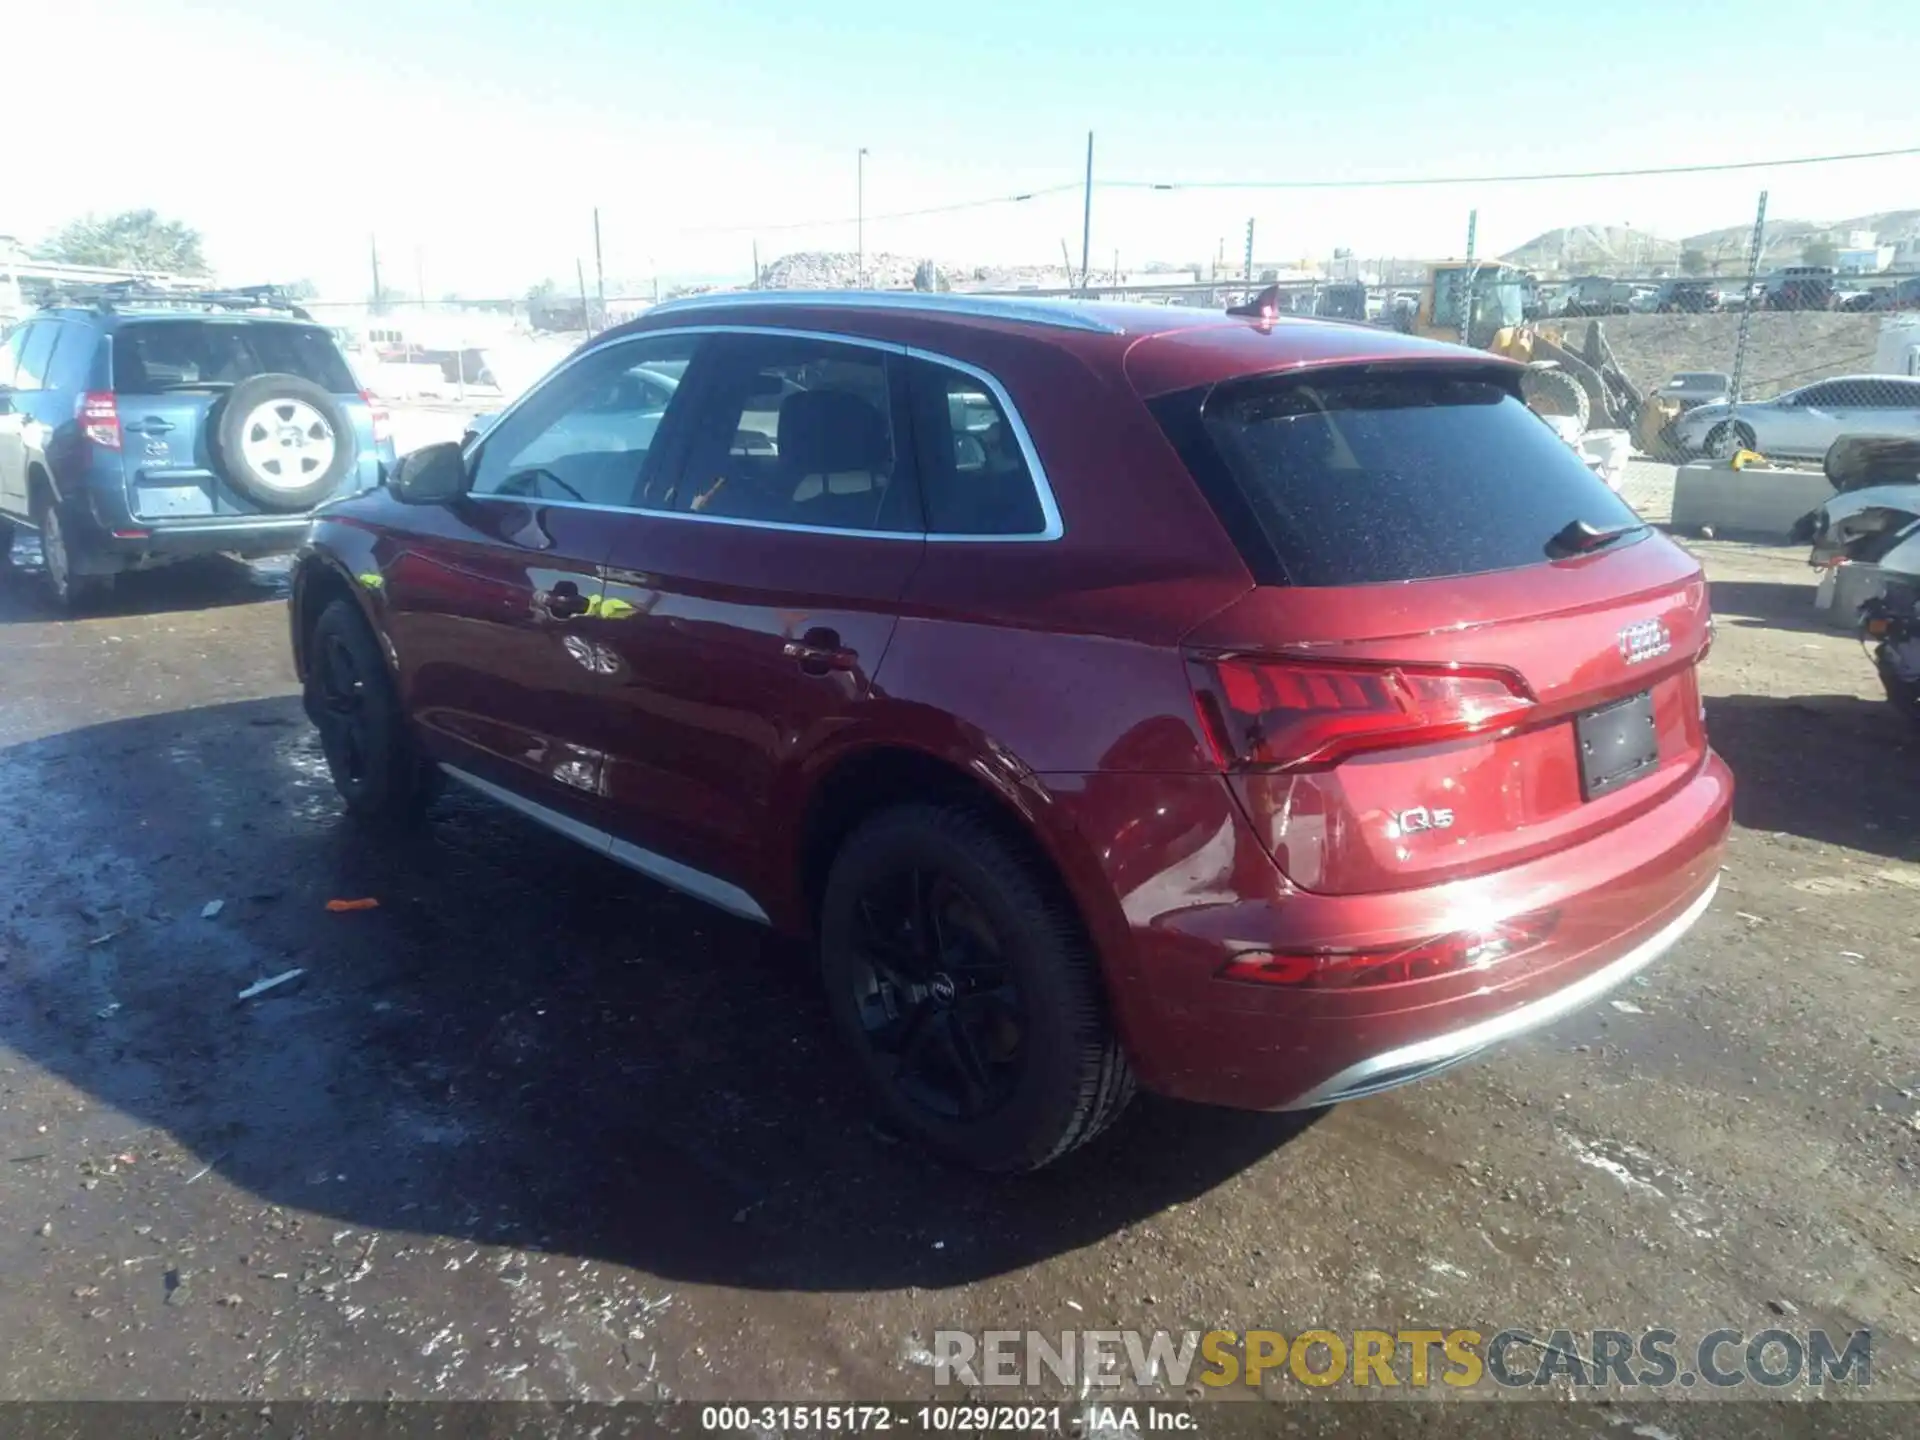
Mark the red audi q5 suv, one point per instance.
(1266, 711)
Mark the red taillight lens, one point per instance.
(382, 424)
(1285, 713)
(1462, 950)
(99, 417)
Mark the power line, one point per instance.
(890, 215)
(1502, 179)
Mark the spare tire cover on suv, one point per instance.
(283, 441)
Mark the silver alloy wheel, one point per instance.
(287, 443)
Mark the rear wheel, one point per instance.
(1903, 694)
(375, 767)
(968, 991)
(1724, 439)
(73, 591)
(6, 543)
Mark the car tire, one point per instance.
(74, 592)
(6, 544)
(1902, 694)
(966, 986)
(247, 452)
(1555, 392)
(379, 772)
(1725, 439)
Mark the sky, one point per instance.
(473, 141)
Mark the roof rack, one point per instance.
(144, 295)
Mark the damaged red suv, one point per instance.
(1264, 711)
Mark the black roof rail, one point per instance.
(142, 294)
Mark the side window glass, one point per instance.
(10, 353)
(793, 431)
(34, 355)
(974, 474)
(586, 436)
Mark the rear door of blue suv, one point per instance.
(163, 435)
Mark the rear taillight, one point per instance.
(382, 426)
(1451, 954)
(1286, 714)
(99, 417)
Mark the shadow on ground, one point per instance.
(521, 1045)
(190, 585)
(1768, 604)
(1833, 768)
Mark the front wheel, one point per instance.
(968, 991)
(1725, 440)
(363, 733)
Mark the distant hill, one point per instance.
(1577, 248)
(1619, 249)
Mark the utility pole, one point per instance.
(860, 218)
(373, 248)
(756, 264)
(420, 276)
(599, 270)
(1086, 220)
(1746, 310)
(1466, 295)
(1249, 276)
(580, 270)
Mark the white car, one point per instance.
(1805, 422)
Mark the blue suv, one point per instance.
(140, 427)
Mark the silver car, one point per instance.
(1805, 422)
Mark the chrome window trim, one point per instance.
(721, 894)
(1053, 526)
(1059, 314)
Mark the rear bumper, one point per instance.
(1620, 901)
(133, 544)
(1421, 1058)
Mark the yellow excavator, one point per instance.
(1499, 304)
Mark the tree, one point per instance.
(1693, 262)
(1820, 252)
(927, 276)
(131, 240)
(301, 290)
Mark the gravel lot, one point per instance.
(534, 1128)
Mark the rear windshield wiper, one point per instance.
(1577, 537)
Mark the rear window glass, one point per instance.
(156, 356)
(1365, 477)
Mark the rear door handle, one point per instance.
(819, 652)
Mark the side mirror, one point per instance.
(431, 475)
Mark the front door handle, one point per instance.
(819, 652)
(564, 601)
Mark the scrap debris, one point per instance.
(260, 987)
(341, 906)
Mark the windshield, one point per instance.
(1499, 298)
(152, 357)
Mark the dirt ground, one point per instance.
(536, 1129)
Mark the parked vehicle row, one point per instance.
(1253, 709)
